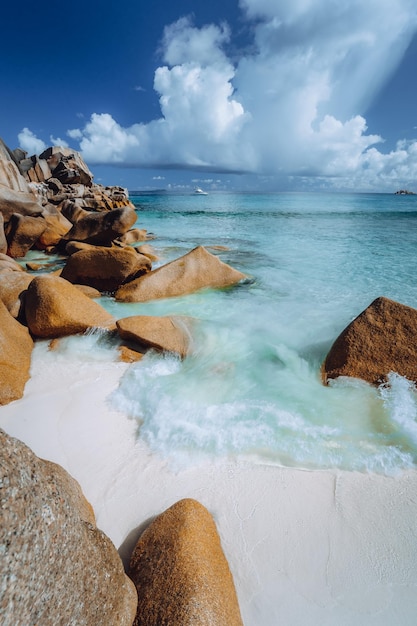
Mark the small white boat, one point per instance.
(200, 192)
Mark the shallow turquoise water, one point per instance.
(252, 385)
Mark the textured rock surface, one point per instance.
(196, 270)
(180, 571)
(101, 228)
(55, 308)
(56, 227)
(105, 269)
(15, 355)
(12, 291)
(3, 240)
(148, 251)
(22, 233)
(12, 201)
(133, 236)
(10, 175)
(382, 339)
(170, 333)
(56, 567)
(7, 264)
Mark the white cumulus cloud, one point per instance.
(30, 143)
(293, 105)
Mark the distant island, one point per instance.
(405, 192)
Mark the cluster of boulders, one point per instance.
(50, 203)
(57, 568)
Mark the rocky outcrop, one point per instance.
(56, 308)
(105, 269)
(66, 165)
(167, 334)
(57, 568)
(382, 339)
(180, 571)
(196, 270)
(15, 354)
(101, 228)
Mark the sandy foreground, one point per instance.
(305, 547)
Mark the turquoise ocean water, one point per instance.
(252, 385)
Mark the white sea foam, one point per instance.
(400, 399)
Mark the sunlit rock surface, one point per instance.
(56, 308)
(382, 339)
(196, 270)
(16, 347)
(56, 567)
(105, 269)
(181, 573)
(168, 334)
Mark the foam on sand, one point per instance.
(319, 547)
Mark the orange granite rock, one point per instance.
(13, 286)
(169, 333)
(105, 269)
(181, 573)
(196, 270)
(15, 355)
(55, 308)
(101, 228)
(382, 339)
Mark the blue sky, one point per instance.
(249, 94)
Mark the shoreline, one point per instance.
(304, 546)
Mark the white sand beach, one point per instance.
(305, 547)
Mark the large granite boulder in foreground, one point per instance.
(56, 308)
(170, 333)
(16, 348)
(180, 571)
(105, 269)
(382, 339)
(196, 270)
(56, 567)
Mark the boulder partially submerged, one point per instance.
(382, 339)
(195, 270)
(56, 566)
(167, 334)
(181, 573)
